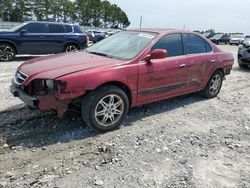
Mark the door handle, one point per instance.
(212, 61)
(182, 65)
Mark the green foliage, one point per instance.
(98, 13)
(212, 31)
(6, 9)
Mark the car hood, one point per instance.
(236, 38)
(52, 67)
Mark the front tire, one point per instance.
(7, 52)
(213, 86)
(104, 109)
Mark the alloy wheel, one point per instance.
(215, 84)
(109, 110)
(7, 53)
(71, 48)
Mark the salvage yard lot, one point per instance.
(187, 141)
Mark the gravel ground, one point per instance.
(187, 141)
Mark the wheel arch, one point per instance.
(220, 70)
(71, 42)
(120, 85)
(10, 43)
(210, 74)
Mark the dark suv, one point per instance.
(220, 38)
(244, 53)
(41, 38)
(95, 36)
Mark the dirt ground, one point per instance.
(187, 141)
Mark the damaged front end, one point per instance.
(40, 93)
(244, 54)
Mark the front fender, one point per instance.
(80, 82)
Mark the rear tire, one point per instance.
(213, 86)
(7, 52)
(105, 108)
(71, 48)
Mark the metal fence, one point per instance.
(8, 25)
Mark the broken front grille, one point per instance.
(20, 77)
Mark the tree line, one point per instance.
(98, 13)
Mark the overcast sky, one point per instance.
(221, 15)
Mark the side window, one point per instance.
(35, 28)
(68, 28)
(194, 44)
(208, 47)
(77, 29)
(172, 43)
(56, 28)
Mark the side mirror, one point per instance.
(156, 54)
(23, 31)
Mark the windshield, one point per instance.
(14, 29)
(124, 45)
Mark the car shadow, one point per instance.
(21, 126)
(241, 69)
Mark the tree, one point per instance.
(211, 31)
(101, 13)
(6, 9)
(106, 17)
(21, 11)
(43, 10)
(98, 13)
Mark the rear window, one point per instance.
(194, 44)
(77, 29)
(208, 47)
(56, 28)
(68, 28)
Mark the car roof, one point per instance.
(59, 23)
(164, 31)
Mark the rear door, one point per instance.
(201, 60)
(163, 77)
(34, 40)
(56, 37)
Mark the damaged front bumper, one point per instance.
(29, 100)
(42, 102)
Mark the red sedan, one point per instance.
(128, 69)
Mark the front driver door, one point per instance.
(165, 77)
(34, 41)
